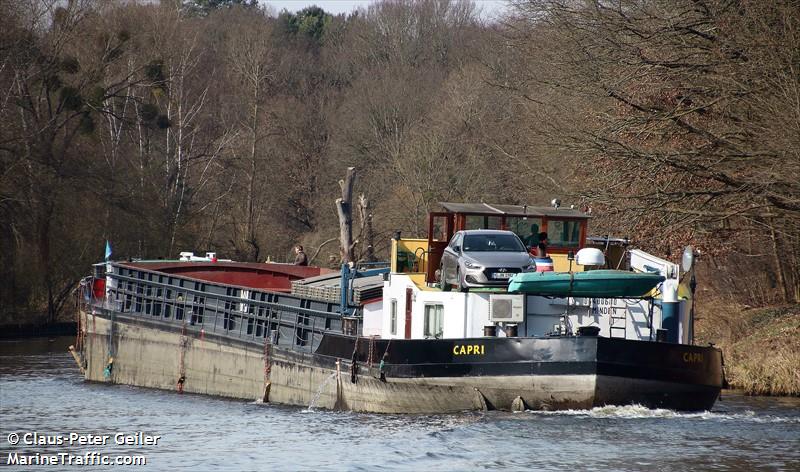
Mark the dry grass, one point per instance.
(761, 346)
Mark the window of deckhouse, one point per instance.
(393, 317)
(527, 229)
(434, 321)
(564, 233)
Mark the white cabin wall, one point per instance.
(395, 289)
(453, 315)
(543, 313)
(373, 319)
(465, 314)
(478, 305)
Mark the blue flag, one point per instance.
(108, 250)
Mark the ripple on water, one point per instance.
(45, 393)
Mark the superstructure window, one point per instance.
(483, 222)
(393, 317)
(527, 229)
(564, 233)
(434, 321)
(474, 222)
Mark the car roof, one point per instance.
(486, 231)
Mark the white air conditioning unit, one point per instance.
(506, 308)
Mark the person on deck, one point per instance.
(300, 257)
(541, 248)
(543, 262)
(532, 240)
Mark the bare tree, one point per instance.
(674, 105)
(344, 208)
(249, 53)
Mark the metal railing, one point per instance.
(225, 310)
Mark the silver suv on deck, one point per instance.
(483, 258)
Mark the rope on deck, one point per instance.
(184, 342)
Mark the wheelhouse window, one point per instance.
(527, 229)
(483, 222)
(564, 233)
(393, 317)
(434, 321)
(493, 222)
(474, 222)
(438, 228)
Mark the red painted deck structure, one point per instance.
(264, 276)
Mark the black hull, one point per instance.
(655, 375)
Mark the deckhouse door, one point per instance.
(409, 301)
(440, 230)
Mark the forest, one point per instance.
(223, 125)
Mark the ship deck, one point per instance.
(254, 275)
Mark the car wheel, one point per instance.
(461, 286)
(442, 281)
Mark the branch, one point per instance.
(316, 253)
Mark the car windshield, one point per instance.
(492, 243)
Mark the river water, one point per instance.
(42, 391)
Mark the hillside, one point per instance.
(761, 346)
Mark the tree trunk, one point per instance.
(366, 230)
(779, 263)
(344, 207)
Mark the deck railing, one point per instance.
(231, 311)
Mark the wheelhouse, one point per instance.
(565, 227)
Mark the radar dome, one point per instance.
(590, 256)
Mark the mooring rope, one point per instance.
(354, 363)
(370, 351)
(182, 360)
(384, 358)
(267, 360)
(110, 363)
(355, 350)
(78, 335)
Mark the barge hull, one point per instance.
(510, 374)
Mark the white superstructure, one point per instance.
(411, 309)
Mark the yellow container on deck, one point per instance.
(409, 255)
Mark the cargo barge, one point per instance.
(390, 340)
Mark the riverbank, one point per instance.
(17, 331)
(761, 346)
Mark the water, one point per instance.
(41, 390)
(321, 389)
